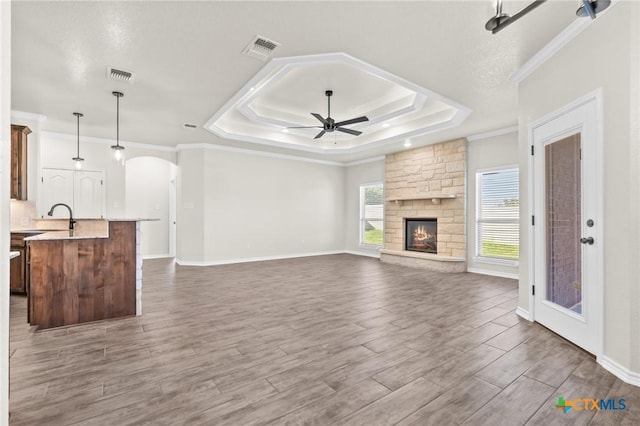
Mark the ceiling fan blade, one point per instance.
(305, 127)
(320, 118)
(319, 135)
(352, 121)
(351, 132)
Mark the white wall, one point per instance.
(242, 206)
(605, 55)
(356, 175)
(482, 154)
(190, 210)
(5, 222)
(147, 196)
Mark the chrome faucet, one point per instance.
(71, 221)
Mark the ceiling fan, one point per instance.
(329, 124)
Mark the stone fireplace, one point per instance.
(425, 207)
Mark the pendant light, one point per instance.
(77, 158)
(118, 155)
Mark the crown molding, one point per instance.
(102, 141)
(493, 133)
(365, 161)
(185, 147)
(28, 116)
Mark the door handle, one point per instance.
(586, 240)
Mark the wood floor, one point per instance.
(328, 340)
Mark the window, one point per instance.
(498, 214)
(371, 214)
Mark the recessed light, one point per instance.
(385, 124)
(407, 144)
(285, 130)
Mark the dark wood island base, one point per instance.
(83, 279)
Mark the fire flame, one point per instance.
(421, 233)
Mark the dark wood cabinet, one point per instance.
(19, 161)
(19, 271)
(17, 280)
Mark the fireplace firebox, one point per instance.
(421, 234)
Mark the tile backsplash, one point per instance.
(22, 214)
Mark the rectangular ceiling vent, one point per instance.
(190, 126)
(116, 74)
(260, 48)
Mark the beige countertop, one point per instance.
(108, 219)
(83, 229)
(33, 230)
(57, 228)
(65, 235)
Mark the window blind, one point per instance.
(498, 214)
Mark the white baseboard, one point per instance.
(493, 273)
(523, 313)
(155, 256)
(363, 253)
(254, 259)
(192, 262)
(621, 372)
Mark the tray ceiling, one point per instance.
(285, 91)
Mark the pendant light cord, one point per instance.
(118, 120)
(118, 95)
(78, 133)
(78, 115)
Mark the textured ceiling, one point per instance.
(188, 61)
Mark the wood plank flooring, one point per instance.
(340, 339)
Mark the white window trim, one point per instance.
(361, 217)
(499, 261)
(496, 261)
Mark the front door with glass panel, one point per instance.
(567, 245)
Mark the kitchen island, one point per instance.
(91, 273)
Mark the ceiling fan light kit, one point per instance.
(329, 125)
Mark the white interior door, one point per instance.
(88, 194)
(57, 187)
(567, 224)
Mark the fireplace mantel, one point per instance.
(435, 199)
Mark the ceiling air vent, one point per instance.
(260, 48)
(116, 74)
(190, 126)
